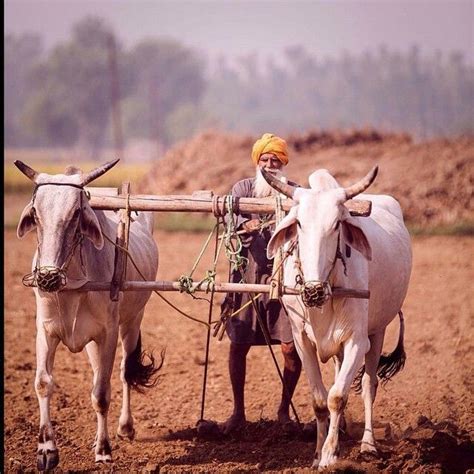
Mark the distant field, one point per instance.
(13, 204)
(17, 191)
(197, 222)
(16, 182)
(18, 188)
(67, 156)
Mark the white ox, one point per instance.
(348, 329)
(72, 250)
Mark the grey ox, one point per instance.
(335, 249)
(72, 250)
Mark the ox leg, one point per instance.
(102, 359)
(337, 398)
(129, 339)
(337, 367)
(47, 454)
(369, 390)
(309, 359)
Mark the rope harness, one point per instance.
(50, 278)
(234, 255)
(315, 293)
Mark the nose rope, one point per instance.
(315, 293)
(48, 277)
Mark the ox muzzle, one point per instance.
(315, 293)
(48, 279)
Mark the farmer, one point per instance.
(271, 153)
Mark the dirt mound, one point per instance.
(433, 180)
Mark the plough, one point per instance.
(200, 201)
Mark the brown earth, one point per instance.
(424, 416)
(433, 180)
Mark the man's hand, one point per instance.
(251, 226)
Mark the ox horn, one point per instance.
(362, 184)
(96, 173)
(284, 188)
(26, 170)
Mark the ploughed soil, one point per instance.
(424, 416)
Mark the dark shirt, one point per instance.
(244, 327)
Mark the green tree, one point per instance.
(72, 100)
(167, 76)
(20, 55)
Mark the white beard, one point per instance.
(262, 188)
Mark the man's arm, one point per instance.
(244, 221)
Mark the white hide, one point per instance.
(85, 319)
(345, 327)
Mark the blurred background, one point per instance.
(180, 90)
(92, 80)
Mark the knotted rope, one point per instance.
(155, 291)
(186, 283)
(233, 254)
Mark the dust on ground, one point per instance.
(423, 417)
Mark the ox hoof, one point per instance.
(328, 462)
(369, 448)
(315, 464)
(103, 458)
(124, 433)
(47, 459)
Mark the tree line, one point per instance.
(162, 90)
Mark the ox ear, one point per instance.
(90, 227)
(27, 221)
(286, 230)
(355, 237)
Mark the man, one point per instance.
(271, 153)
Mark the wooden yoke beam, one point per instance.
(205, 203)
(161, 285)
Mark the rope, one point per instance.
(155, 291)
(268, 342)
(208, 338)
(186, 282)
(224, 317)
(236, 260)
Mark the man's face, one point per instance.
(273, 165)
(270, 162)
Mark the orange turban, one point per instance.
(270, 143)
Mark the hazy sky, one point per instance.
(326, 28)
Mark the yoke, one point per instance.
(199, 201)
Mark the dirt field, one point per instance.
(424, 417)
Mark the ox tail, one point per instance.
(389, 364)
(141, 375)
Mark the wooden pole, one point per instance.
(189, 203)
(277, 279)
(162, 285)
(120, 262)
